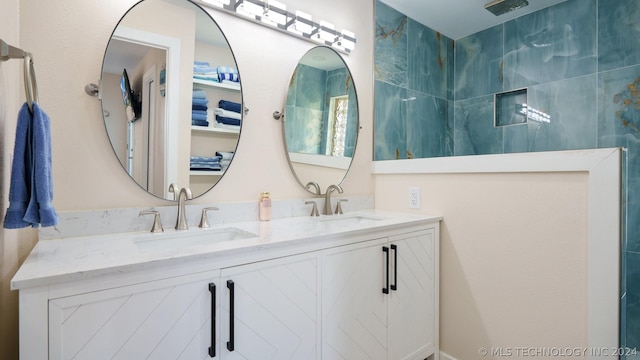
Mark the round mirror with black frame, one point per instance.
(321, 120)
(171, 97)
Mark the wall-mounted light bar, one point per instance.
(274, 14)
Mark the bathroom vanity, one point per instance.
(357, 286)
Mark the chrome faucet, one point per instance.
(327, 199)
(181, 222)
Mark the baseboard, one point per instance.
(445, 356)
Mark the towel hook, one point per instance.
(30, 84)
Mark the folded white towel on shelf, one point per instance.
(227, 113)
(225, 126)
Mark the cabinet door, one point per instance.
(166, 319)
(412, 303)
(354, 307)
(275, 310)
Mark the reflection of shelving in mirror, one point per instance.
(206, 173)
(217, 84)
(217, 130)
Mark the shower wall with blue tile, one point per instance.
(580, 64)
(308, 107)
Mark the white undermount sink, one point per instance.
(348, 220)
(196, 237)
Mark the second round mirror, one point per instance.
(321, 120)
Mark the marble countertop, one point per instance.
(69, 259)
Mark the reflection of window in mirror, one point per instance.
(337, 125)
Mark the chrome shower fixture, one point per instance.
(499, 7)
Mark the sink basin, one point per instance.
(182, 239)
(348, 220)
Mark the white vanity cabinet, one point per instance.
(275, 309)
(164, 319)
(379, 298)
(266, 309)
(304, 292)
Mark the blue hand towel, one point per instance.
(31, 191)
(228, 121)
(196, 116)
(199, 94)
(200, 123)
(199, 101)
(230, 105)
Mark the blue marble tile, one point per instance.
(390, 59)
(390, 138)
(555, 43)
(430, 61)
(619, 125)
(633, 300)
(474, 133)
(633, 212)
(337, 84)
(618, 34)
(310, 89)
(478, 64)
(304, 130)
(623, 300)
(449, 143)
(428, 130)
(516, 138)
(571, 107)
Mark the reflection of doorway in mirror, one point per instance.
(337, 125)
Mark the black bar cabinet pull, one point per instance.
(230, 343)
(385, 290)
(212, 348)
(394, 287)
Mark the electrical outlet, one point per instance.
(414, 198)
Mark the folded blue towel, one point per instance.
(198, 117)
(199, 101)
(199, 107)
(227, 69)
(225, 155)
(204, 123)
(205, 163)
(199, 94)
(204, 70)
(230, 105)
(215, 159)
(213, 78)
(228, 76)
(199, 112)
(31, 189)
(197, 167)
(200, 63)
(228, 121)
